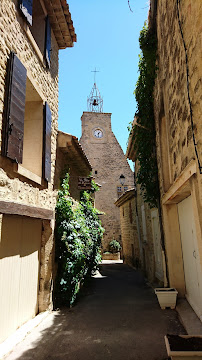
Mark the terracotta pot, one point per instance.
(166, 297)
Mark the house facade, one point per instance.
(178, 112)
(31, 34)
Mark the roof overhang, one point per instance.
(70, 146)
(130, 152)
(128, 195)
(61, 22)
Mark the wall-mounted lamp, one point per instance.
(122, 179)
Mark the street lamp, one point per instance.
(122, 179)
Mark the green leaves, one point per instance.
(144, 132)
(78, 239)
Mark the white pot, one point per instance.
(166, 297)
(184, 355)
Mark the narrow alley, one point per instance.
(118, 317)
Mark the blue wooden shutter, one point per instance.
(47, 143)
(12, 145)
(26, 8)
(48, 42)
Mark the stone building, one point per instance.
(129, 231)
(72, 159)
(178, 113)
(108, 163)
(147, 230)
(28, 122)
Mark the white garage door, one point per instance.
(192, 269)
(19, 271)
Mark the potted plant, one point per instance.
(166, 297)
(184, 347)
(114, 251)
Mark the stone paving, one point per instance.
(117, 318)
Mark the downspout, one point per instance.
(138, 223)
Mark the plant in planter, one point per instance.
(114, 246)
(114, 251)
(184, 347)
(166, 297)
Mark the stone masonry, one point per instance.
(108, 163)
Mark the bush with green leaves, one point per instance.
(114, 246)
(78, 237)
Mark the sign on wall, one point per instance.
(84, 183)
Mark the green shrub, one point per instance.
(78, 239)
(114, 246)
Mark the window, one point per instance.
(119, 190)
(95, 172)
(38, 22)
(27, 123)
(125, 188)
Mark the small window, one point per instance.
(123, 211)
(125, 188)
(119, 190)
(95, 172)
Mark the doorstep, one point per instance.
(19, 335)
(189, 319)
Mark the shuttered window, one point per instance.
(48, 42)
(26, 8)
(15, 108)
(47, 143)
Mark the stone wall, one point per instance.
(178, 165)
(171, 97)
(13, 186)
(108, 162)
(129, 232)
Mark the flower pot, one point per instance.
(166, 297)
(184, 347)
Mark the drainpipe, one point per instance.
(164, 257)
(138, 223)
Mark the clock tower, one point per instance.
(108, 162)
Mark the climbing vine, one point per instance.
(78, 240)
(144, 132)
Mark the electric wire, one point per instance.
(188, 93)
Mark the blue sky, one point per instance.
(107, 38)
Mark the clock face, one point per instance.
(98, 133)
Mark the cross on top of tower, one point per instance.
(95, 71)
(95, 101)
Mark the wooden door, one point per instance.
(19, 272)
(192, 269)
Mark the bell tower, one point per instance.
(108, 162)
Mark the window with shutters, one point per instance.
(33, 131)
(27, 124)
(38, 27)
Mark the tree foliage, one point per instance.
(78, 240)
(144, 132)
